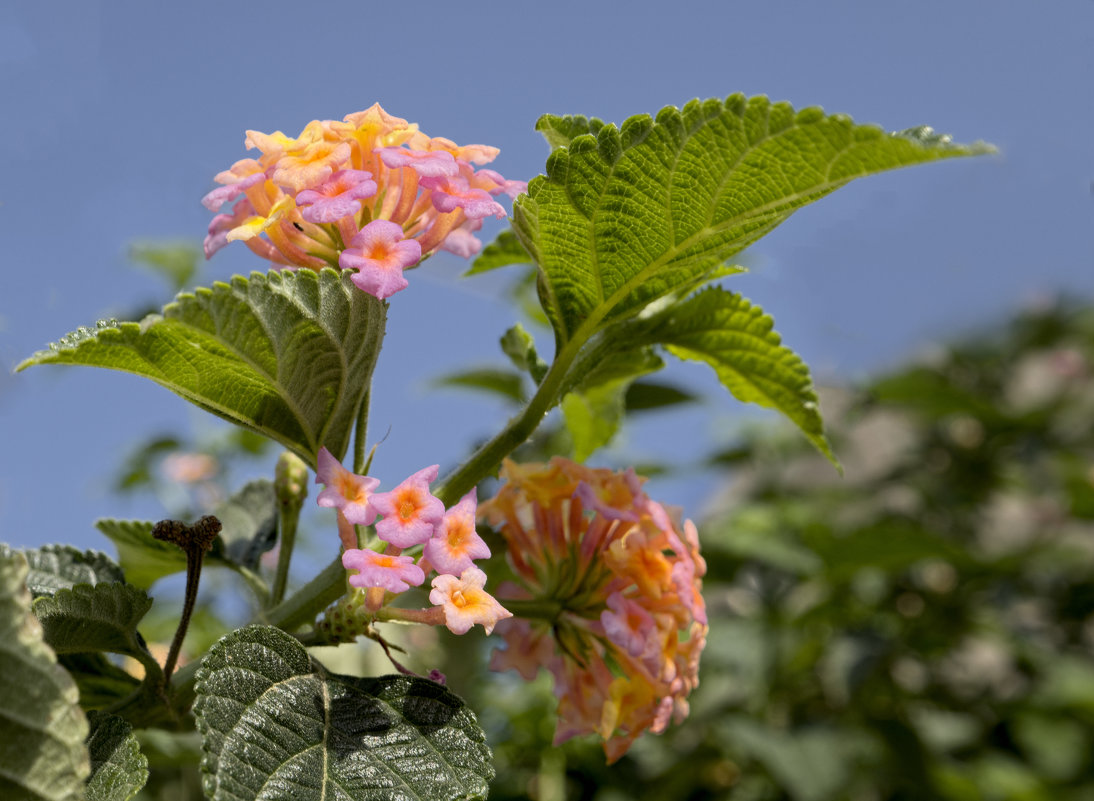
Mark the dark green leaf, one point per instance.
(289, 354)
(505, 383)
(101, 682)
(502, 252)
(118, 768)
(249, 523)
(102, 617)
(644, 395)
(634, 213)
(275, 725)
(42, 729)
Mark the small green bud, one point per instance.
(291, 480)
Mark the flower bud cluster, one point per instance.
(405, 518)
(370, 193)
(611, 584)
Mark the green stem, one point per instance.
(486, 459)
(536, 610)
(360, 434)
(306, 603)
(288, 516)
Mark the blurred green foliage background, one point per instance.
(921, 627)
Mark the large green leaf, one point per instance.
(42, 729)
(288, 354)
(633, 213)
(102, 617)
(275, 725)
(736, 338)
(118, 768)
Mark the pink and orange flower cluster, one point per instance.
(371, 194)
(611, 585)
(410, 516)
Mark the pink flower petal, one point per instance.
(380, 254)
(393, 573)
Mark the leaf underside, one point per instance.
(118, 768)
(288, 354)
(42, 729)
(274, 725)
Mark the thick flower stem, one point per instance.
(487, 458)
(306, 603)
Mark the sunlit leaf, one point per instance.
(737, 339)
(633, 213)
(288, 354)
(42, 729)
(276, 725)
(118, 768)
(57, 567)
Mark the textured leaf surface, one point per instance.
(56, 567)
(42, 730)
(118, 768)
(275, 725)
(633, 213)
(736, 338)
(287, 354)
(89, 618)
(560, 131)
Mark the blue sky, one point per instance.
(119, 113)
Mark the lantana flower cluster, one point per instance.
(611, 583)
(371, 194)
(405, 518)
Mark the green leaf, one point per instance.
(505, 383)
(502, 252)
(118, 768)
(42, 729)
(177, 262)
(634, 213)
(644, 395)
(560, 131)
(520, 347)
(102, 617)
(101, 682)
(275, 725)
(57, 567)
(736, 338)
(594, 410)
(248, 524)
(288, 354)
(143, 558)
